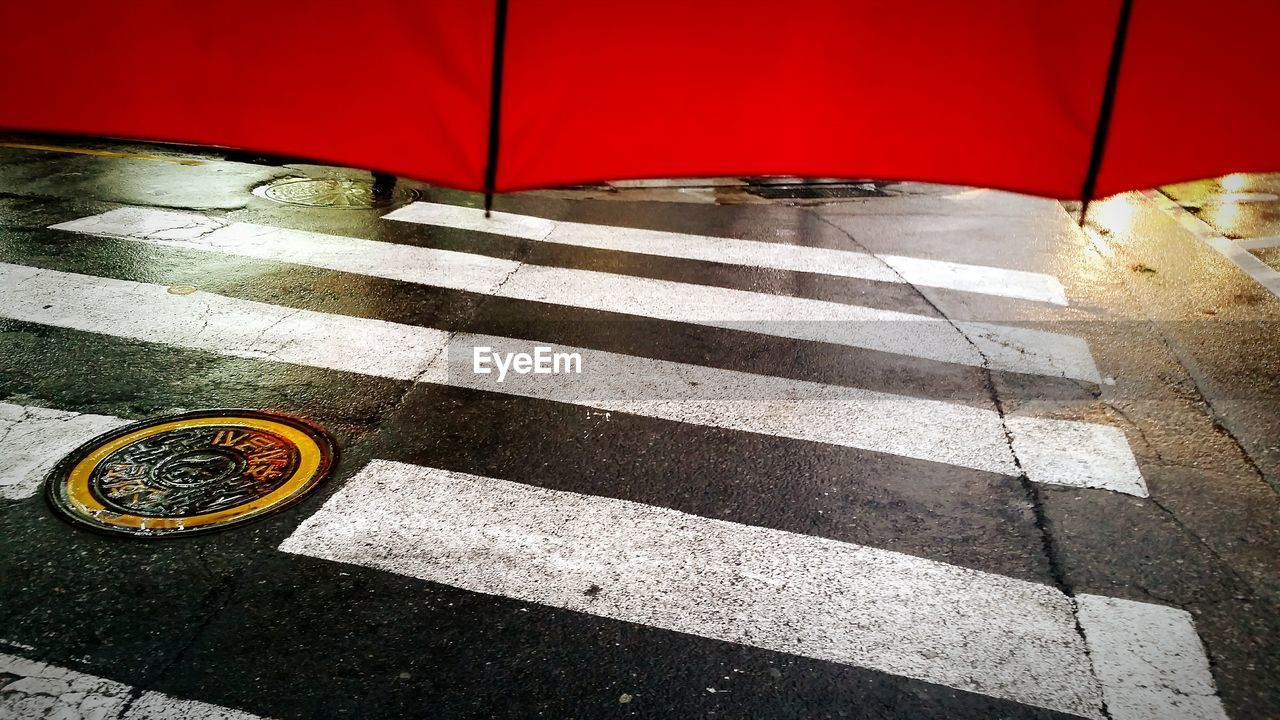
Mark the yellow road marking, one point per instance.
(100, 153)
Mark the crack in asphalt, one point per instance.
(12, 424)
(254, 345)
(37, 275)
(461, 326)
(1130, 423)
(72, 694)
(9, 425)
(227, 588)
(205, 224)
(1204, 545)
(1215, 417)
(1057, 571)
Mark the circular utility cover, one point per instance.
(192, 472)
(334, 193)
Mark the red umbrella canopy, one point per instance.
(1000, 93)
(1198, 94)
(1003, 93)
(385, 84)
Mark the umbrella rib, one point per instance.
(495, 103)
(1105, 109)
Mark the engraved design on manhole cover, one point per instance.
(334, 193)
(191, 472)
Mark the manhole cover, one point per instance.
(190, 473)
(334, 193)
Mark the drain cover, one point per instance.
(334, 193)
(817, 191)
(190, 473)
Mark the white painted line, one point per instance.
(765, 588)
(427, 266)
(1005, 348)
(842, 263)
(1065, 453)
(982, 279)
(1076, 454)
(1259, 243)
(1058, 452)
(1149, 659)
(1243, 259)
(228, 326)
(34, 439)
(39, 690)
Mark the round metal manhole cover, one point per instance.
(335, 193)
(190, 473)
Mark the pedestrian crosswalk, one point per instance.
(778, 256)
(931, 621)
(1057, 451)
(968, 343)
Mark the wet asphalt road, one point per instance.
(380, 623)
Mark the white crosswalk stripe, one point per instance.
(1013, 349)
(843, 263)
(30, 689)
(1050, 451)
(766, 588)
(204, 321)
(34, 439)
(1149, 659)
(1058, 452)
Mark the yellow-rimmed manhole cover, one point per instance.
(192, 472)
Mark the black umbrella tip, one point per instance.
(1084, 211)
(488, 204)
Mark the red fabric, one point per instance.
(383, 84)
(1199, 94)
(1002, 93)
